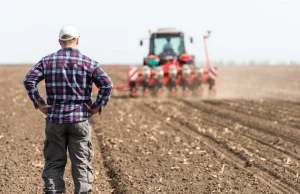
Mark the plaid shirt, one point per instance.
(69, 76)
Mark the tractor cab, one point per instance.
(166, 45)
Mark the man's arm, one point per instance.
(105, 86)
(34, 76)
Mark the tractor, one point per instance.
(168, 68)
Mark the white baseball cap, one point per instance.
(68, 30)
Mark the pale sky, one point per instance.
(110, 30)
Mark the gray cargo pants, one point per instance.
(76, 137)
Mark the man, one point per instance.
(168, 45)
(168, 48)
(69, 76)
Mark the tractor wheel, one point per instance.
(172, 86)
(133, 91)
(212, 89)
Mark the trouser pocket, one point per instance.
(90, 175)
(81, 129)
(90, 151)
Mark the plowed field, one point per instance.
(247, 140)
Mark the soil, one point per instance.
(246, 140)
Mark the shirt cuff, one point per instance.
(38, 98)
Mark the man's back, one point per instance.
(69, 76)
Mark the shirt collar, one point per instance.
(69, 49)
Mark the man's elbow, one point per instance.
(110, 84)
(25, 82)
(28, 83)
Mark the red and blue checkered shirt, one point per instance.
(69, 76)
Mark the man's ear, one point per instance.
(60, 42)
(77, 41)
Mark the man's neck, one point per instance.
(73, 47)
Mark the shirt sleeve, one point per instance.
(105, 86)
(34, 76)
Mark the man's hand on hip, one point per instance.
(43, 108)
(95, 110)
